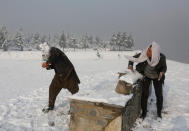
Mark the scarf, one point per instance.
(143, 57)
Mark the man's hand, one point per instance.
(131, 68)
(45, 65)
(160, 75)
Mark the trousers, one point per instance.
(57, 84)
(158, 92)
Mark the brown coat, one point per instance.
(65, 74)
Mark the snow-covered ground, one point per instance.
(24, 91)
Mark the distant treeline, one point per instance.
(21, 41)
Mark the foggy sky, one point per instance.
(164, 21)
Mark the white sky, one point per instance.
(165, 21)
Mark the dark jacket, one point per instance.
(61, 64)
(160, 67)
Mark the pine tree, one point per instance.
(105, 45)
(124, 41)
(49, 39)
(5, 45)
(3, 35)
(28, 41)
(43, 39)
(91, 42)
(73, 42)
(19, 39)
(62, 41)
(55, 40)
(97, 42)
(112, 42)
(118, 40)
(121, 41)
(36, 41)
(130, 42)
(85, 42)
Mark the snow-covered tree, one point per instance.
(49, 39)
(69, 40)
(3, 35)
(28, 41)
(53, 41)
(130, 42)
(36, 41)
(105, 44)
(73, 42)
(43, 39)
(5, 45)
(62, 41)
(124, 38)
(84, 42)
(112, 42)
(97, 42)
(91, 41)
(121, 41)
(19, 39)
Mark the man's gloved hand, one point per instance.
(160, 75)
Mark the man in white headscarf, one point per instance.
(152, 64)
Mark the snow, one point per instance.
(24, 88)
(131, 77)
(45, 50)
(24, 91)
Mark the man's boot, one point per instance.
(159, 114)
(143, 115)
(47, 109)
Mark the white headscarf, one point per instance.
(143, 57)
